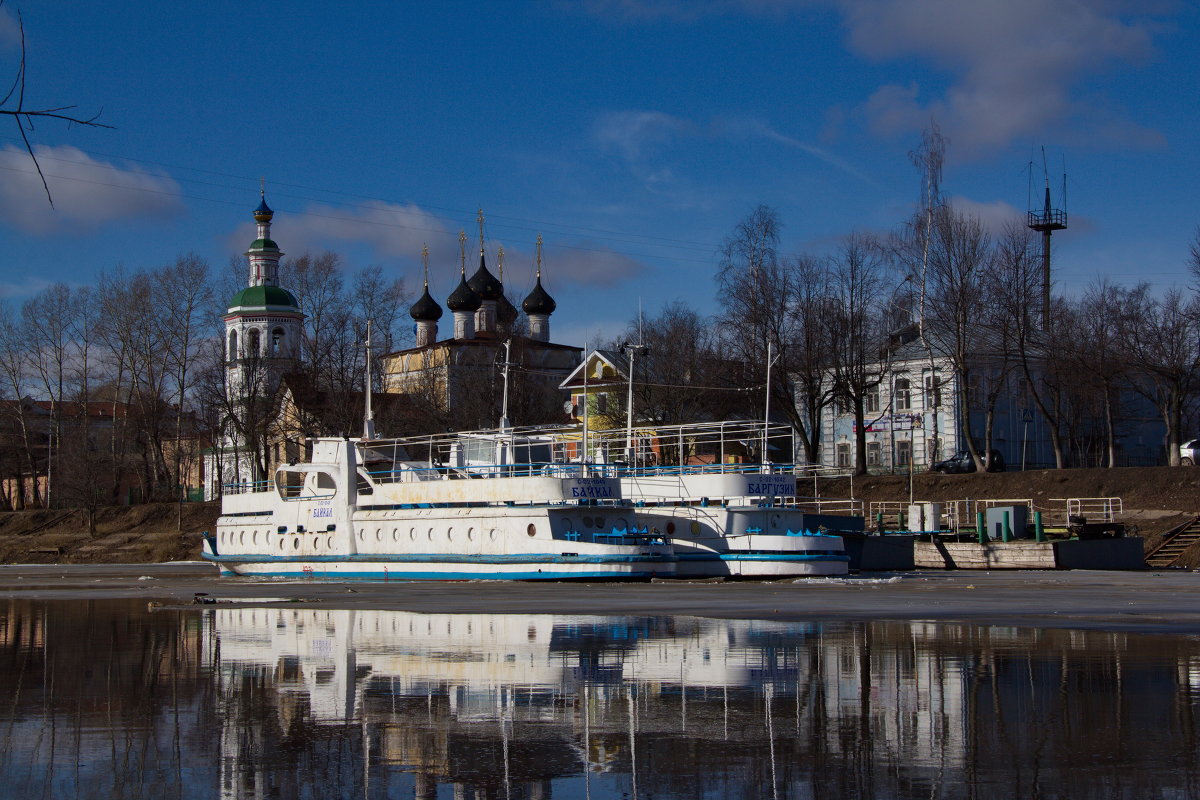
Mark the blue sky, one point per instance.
(632, 134)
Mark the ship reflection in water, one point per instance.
(286, 701)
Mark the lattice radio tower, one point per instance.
(1046, 221)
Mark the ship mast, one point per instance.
(369, 414)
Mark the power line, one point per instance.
(449, 214)
(354, 220)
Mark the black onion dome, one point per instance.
(425, 309)
(485, 284)
(506, 312)
(539, 301)
(464, 298)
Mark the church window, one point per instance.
(233, 346)
(277, 341)
(254, 342)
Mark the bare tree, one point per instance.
(856, 331)
(777, 305)
(681, 376)
(1164, 335)
(183, 293)
(956, 284)
(1102, 354)
(48, 325)
(24, 452)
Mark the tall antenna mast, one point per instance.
(1047, 221)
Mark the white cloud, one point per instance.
(26, 287)
(86, 192)
(1014, 65)
(634, 134)
(10, 31)
(588, 264)
(564, 265)
(994, 216)
(637, 135)
(754, 128)
(393, 230)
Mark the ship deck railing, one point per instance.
(401, 473)
(248, 487)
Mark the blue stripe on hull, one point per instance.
(454, 576)
(434, 558)
(784, 557)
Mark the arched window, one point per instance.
(233, 346)
(277, 342)
(254, 342)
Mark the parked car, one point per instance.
(1189, 453)
(962, 462)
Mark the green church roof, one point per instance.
(264, 297)
(264, 244)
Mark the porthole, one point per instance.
(379, 534)
(242, 538)
(531, 530)
(587, 522)
(599, 522)
(328, 542)
(282, 543)
(492, 534)
(566, 523)
(695, 528)
(470, 534)
(670, 527)
(429, 534)
(621, 524)
(449, 534)
(317, 543)
(412, 534)
(395, 534)
(296, 543)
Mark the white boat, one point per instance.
(726, 516)
(727, 513)
(364, 509)
(735, 524)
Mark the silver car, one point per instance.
(1189, 453)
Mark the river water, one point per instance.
(123, 699)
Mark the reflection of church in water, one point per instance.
(508, 705)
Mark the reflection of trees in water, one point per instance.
(106, 699)
(103, 700)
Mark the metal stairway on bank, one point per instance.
(1176, 541)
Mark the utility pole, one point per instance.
(767, 409)
(504, 424)
(369, 414)
(631, 350)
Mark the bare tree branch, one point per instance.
(25, 117)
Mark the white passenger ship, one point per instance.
(725, 515)
(365, 509)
